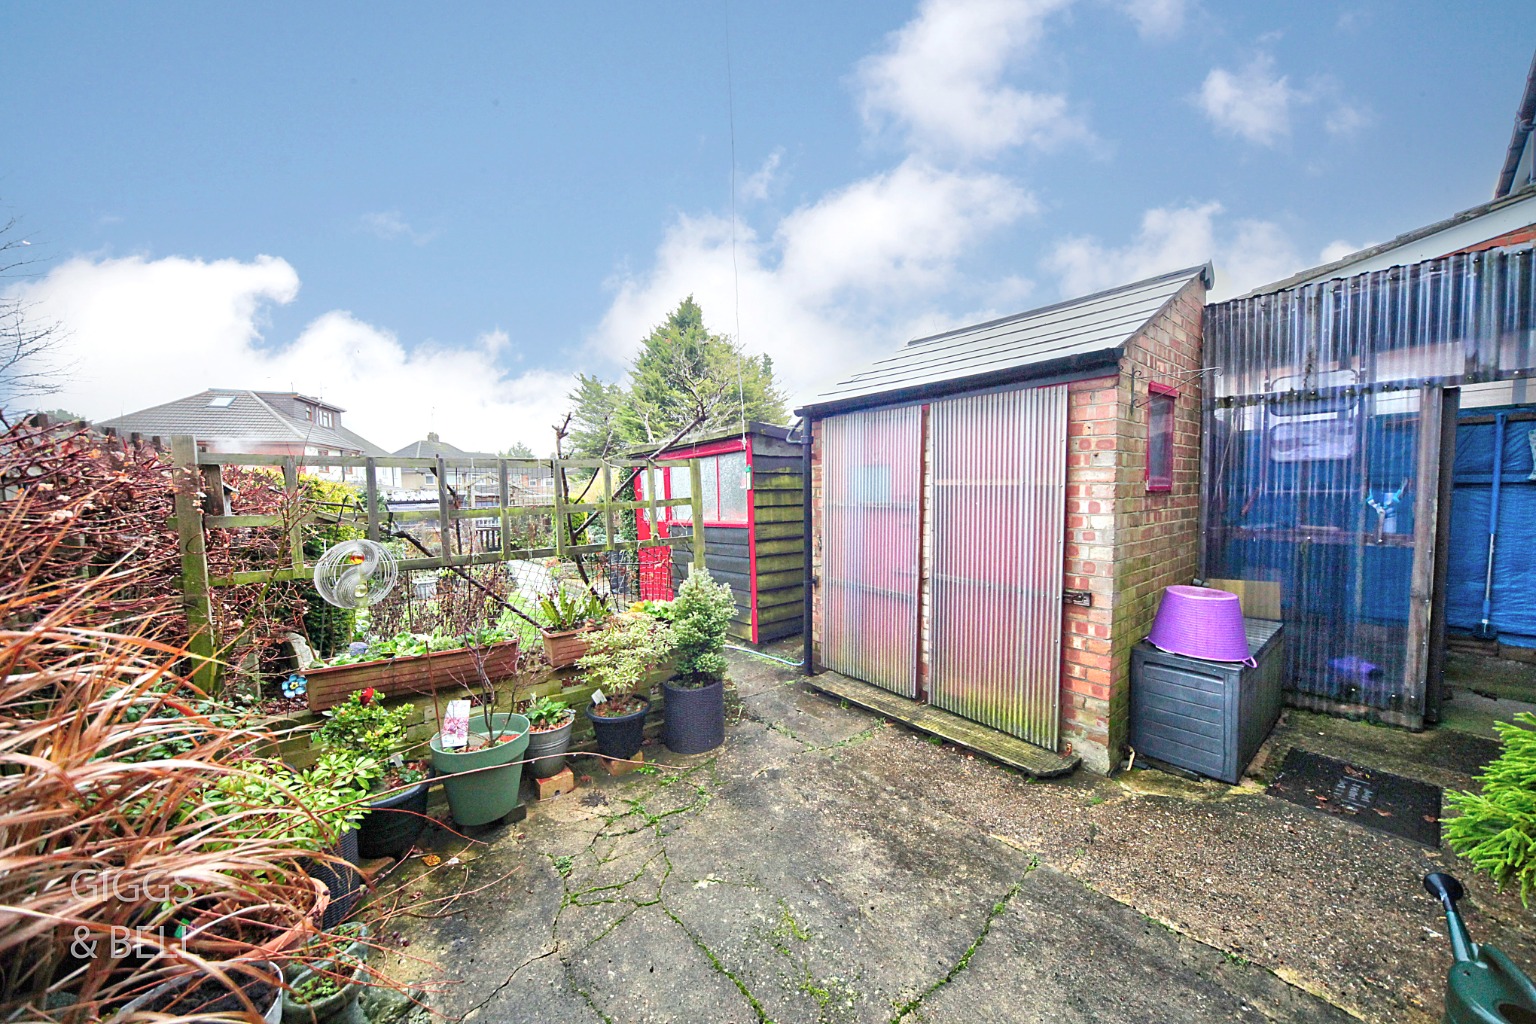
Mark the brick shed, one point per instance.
(996, 509)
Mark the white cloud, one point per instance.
(1156, 19)
(1253, 104)
(389, 225)
(1347, 118)
(840, 279)
(1338, 249)
(1246, 254)
(141, 332)
(940, 80)
(760, 182)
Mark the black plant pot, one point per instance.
(343, 880)
(620, 736)
(695, 717)
(393, 823)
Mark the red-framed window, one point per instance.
(1160, 405)
(726, 479)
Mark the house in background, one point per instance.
(259, 422)
(997, 509)
(476, 483)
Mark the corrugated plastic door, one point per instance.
(871, 532)
(999, 509)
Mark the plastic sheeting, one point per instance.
(1513, 612)
(1336, 532)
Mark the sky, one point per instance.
(436, 217)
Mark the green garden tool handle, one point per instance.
(1447, 890)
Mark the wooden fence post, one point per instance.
(371, 472)
(185, 477)
(607, 506)
(561, 523)
(696, 498)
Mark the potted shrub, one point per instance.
(569, 616)
(695, 695)
(260, 797)
(397, 809)
(483, 776)
(618, 664)
(549, 735)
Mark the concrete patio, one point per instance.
(826, 866)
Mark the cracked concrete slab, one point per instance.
(825, 867)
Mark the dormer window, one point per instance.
(309, 412)
(327, 419)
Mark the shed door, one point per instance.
(999, 509)
(871, 531)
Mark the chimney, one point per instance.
(432, 436)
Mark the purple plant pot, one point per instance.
(1201, 622)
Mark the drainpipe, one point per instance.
(1485, 629)
(810, 581)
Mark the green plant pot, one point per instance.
(495, 774)
(328, 1008)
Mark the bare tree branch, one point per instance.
(25, 341)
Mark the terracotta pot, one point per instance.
(410, 674)
(566, 648)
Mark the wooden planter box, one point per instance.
(416, 674)
(566, 648)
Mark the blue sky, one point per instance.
(435, 218)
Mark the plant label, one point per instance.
(456, 725)
(597, 697)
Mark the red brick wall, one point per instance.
(1124, 543)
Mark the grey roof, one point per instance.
(431, 446)
(248, 418)
(1340, 267)
(1066, 337)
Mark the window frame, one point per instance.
(1156, 394)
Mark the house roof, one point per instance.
(431, 446)
(1520, 138)
(1067, 337)
(236, 416)
(1508, 206)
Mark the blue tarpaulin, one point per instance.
(1514, 564)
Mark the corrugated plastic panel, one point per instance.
(1312, 433)
(999, 501)
(1458, 319)
(872, 486)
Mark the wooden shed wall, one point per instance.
(778, 511)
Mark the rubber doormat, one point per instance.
(1406, 808)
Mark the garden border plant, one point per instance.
(619, 664)
(397, 796)
(695, 695)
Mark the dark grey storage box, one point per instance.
(1207, 716)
